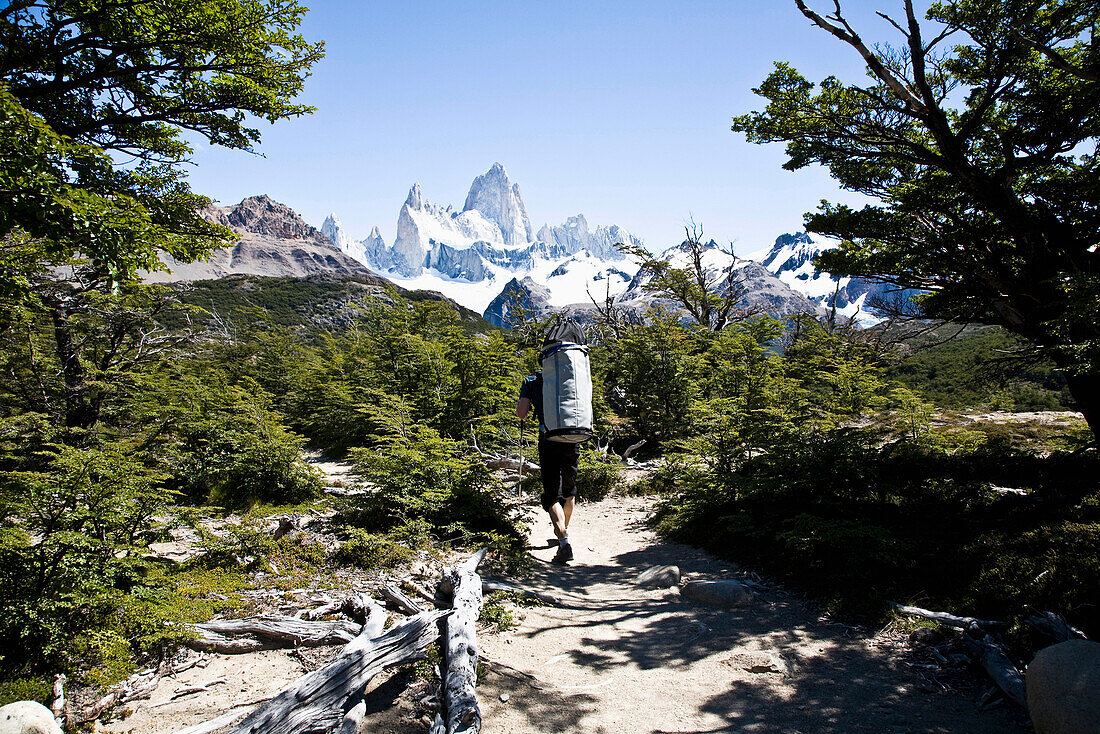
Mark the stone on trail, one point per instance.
(27, 717)
(1063, 688)
(658, 577)
(723, 593)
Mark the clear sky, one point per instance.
(617, 110)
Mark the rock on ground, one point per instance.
(723, 593)
(659, 577)
(1063, 688)
(27, 717)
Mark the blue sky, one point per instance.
(617, 110)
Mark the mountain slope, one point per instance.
(274, 241)
(791, 259)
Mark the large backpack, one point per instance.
(566, 384)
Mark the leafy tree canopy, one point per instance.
(129, 78)
(978, 136)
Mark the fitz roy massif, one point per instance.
(488, 257)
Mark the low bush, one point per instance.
(370, 551)
(597, 475)
(858, 522)
(423, 480)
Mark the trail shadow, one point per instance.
(831, 678)
(544, 710)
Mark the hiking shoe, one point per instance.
(564, 554)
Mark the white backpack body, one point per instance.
(566, 392)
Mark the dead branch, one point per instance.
(1055, 627)
(232, 636)
(316, 701)
(400, 600)
(951, 620)
(460, 708)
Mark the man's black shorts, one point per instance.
(559, 471)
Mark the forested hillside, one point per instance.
(782, 445)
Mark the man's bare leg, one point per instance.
(567, 510)
(559, 517)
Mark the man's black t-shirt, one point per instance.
(532, 390)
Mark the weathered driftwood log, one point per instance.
(632, 448)
(400, 600)
(460, 710)
(139, 685)
(58, 707)
(268, 633)
(496, 461)
(992, 657)
(353, 719)
(987, 650)
(519, 466)
(317, 701)
(1055, 627)
(951, 620)
(434, 599)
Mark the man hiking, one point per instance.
(559, 468)
(564, 423)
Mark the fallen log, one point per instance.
(992, 657)
(488, 586)
(951, 620)
(353, 719)
(137, 686)
(460, 709)
(232, 636)
(1055, 627)
(523, 468)
(317, 700)
(400, 600)
(496, 461)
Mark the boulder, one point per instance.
(723, 593)
(27, 717)
(1063, 688)
(658, 577)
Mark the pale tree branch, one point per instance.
(845, 33)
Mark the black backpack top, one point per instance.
(565, 330)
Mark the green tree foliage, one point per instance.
(129, 78)
(707, 295)
(422, 477)
(75, 520)
(81, 80)
(977, 134)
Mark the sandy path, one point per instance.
(615, 658)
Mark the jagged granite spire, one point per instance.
(499, 201)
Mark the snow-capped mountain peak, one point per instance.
(791, 259)
(469, 254)
(334, 231)
(499, 201)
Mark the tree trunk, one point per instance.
(79, 413)
(1085, 389)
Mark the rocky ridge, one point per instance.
(791, 259)
(274, 241)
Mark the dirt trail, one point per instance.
(615, 658)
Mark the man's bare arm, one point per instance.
(523, 408)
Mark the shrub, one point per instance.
(422, 477)
(858, 522)
(371, 551)
(597, 475)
